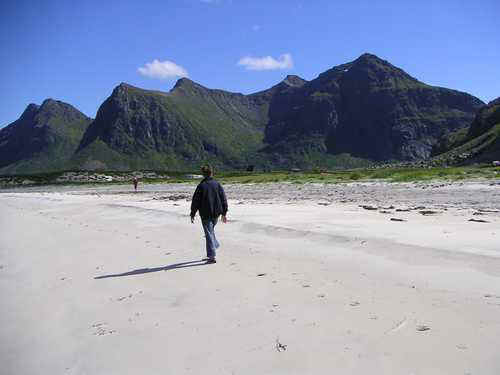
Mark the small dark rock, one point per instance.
(423, 328)
(428, 212)
(478, 221)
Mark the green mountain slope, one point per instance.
(137, 128)
(478, 143)
(44, 138)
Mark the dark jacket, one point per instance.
(209, 199)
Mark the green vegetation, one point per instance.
(481, 148)
(386, 174)
(298, 177)
(478, 143)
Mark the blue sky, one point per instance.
(78, 52)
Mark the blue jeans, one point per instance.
(212, 243)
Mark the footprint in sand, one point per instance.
(401, 324)
(102, 330)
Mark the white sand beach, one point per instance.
(99, 280)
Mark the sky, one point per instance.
(77, 52)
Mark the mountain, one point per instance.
(350, 115)
(136, 128)
(44, 138)
(369, 109)
(478, 143)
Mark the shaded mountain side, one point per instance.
(43, 139)
(188, 125)
(478, 143)
(367, 108)
(486, 119)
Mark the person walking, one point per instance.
(210, 201)
(135, 181)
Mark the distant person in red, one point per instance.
(210, 201)
(135, 181)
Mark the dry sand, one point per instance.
(103, 281)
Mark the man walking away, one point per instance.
(210, 200)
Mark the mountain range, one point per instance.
(354, 114)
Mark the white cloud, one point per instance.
(162, 70)
(267, 62)
(256, 27)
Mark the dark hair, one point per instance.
(206, 170)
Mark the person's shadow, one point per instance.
(193, 263)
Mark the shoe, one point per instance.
(211, 260)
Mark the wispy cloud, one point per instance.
(267, 62)
(162, 70)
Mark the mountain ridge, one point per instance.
(362, 110)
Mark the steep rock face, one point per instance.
(370, 109)
(189, 124)
(43, 138)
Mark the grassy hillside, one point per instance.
(476, 144)
(137, 128)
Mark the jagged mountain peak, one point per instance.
(185, 84)
(50, 103)
(124, 88)
(370, 57)
(294, 80)
(31, 109)
(494, 102)
(366, 67)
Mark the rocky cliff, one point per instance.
(369, 109)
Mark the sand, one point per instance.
(104, 281)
